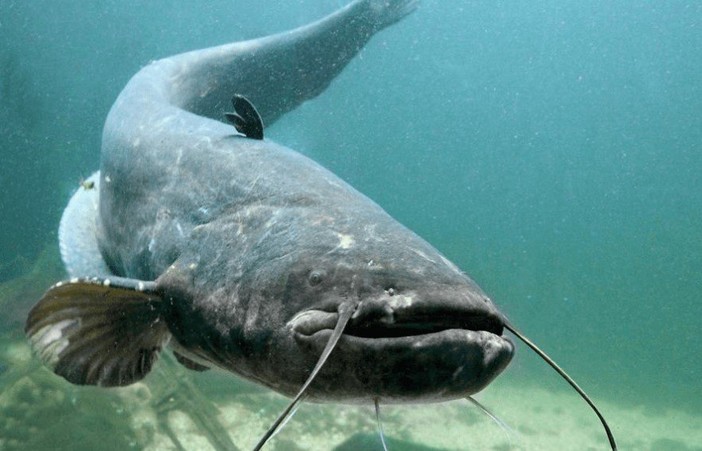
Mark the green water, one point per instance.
(553, 150)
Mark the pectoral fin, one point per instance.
(189, 363)
(104, 332)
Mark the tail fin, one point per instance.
(276, 73)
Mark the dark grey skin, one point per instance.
(239, 252)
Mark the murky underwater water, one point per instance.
(552, 150)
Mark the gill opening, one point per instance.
(346, 309)
(565, 376)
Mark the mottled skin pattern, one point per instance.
(242, 236)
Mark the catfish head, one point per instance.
(421, 330)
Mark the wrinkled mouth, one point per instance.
(382, 320)
(444, 348)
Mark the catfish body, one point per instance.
(238, 252)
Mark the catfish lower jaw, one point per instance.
(433, 367)
(448, 337)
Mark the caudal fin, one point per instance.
(276, 73)
(105, 332)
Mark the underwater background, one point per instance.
(551, 149)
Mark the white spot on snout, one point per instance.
(373, 265)
(399, 301)
(345, 241)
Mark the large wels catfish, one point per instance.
(242, 254)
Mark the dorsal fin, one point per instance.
(245, 118)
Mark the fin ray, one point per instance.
(98, 332)
(189, 363)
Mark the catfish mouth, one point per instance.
(381, 321)
(423, 325)
(405, 348)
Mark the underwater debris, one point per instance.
(148, 415)
(37, 411)
(86, 184)
(176, 396)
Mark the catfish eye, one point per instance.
(315, 278)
